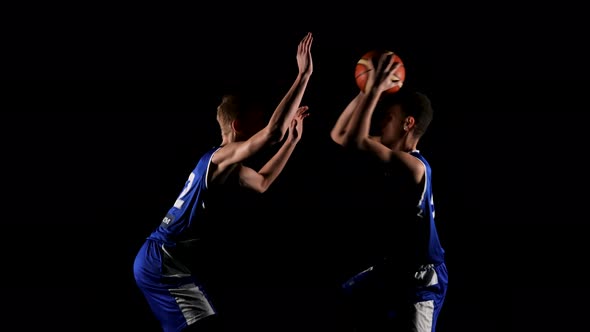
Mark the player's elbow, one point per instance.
(262, 190)
(262, 186)
(337, 137)
(341, 139)
(257, 186)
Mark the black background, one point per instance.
(108, 106)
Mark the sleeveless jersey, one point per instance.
(429, 247)
(183, 218)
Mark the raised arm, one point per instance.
(357, 132)
(278, 124)
(353, 124)
(260, 181)
(378, 81)
(340, 129)
(283, 114)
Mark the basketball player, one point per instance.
(404, 288)
(164, 267)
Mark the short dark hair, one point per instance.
(413, 103)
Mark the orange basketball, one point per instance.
(361, 69)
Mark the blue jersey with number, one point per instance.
(429, 248)
(189, 207)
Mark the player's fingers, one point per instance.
(395, 66)
(382, 59)
(306, 42)
(396, 81)
(302, 44)
(386, 59)
(389, 61)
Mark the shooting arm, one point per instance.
(340, 129)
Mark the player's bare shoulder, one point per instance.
(219, 167)
(405, 163)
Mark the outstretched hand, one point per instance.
(304, 60)
(296, 127)
(384, 77)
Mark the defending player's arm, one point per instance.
(260, 181)
(278, 124)
(290, 103)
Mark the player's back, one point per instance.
(183, 219)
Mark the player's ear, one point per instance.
(236, 126)
(409, 122)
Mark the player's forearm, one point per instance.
(271, 170)
(360, 121)
(281, 118)
(340, 127)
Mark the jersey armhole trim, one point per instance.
(425, 181)
(208, 166)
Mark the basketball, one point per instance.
(361, 69)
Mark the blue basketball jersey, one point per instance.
(189, 207)
(431, 251)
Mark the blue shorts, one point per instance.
(381, 296)
(172, 292)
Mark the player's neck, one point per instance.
(410, 144)
(227, 138)
(407, 144)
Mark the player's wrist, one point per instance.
(292, 140)
(304, 75)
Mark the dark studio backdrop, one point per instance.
(107, 111)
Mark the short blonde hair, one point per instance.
(236, 107)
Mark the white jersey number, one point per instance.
(187, 186)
